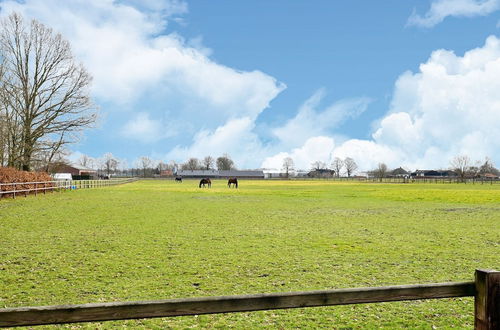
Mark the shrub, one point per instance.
(25, 180)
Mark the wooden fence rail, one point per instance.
(15, 189)
(486, 290)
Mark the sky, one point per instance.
(407, 83)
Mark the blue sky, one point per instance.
(409, 83)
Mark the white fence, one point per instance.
(14, 189)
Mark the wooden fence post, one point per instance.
(487, 300)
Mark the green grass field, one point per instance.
(158, 240)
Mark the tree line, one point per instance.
(145, 166)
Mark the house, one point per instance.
(78, 172)
(166, 173)
(489, 176)
(399, 172)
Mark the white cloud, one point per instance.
(145, 129)
(440, 9)
(234, 138)
(319, 148)
(311, 122)
(125, 47)
(450, 107)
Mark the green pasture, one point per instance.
(160, 239)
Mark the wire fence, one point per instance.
(15, 189)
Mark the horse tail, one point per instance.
(200, 184)
(236, 183)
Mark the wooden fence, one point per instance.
(15, 189)
(485, 289)
(443, 180)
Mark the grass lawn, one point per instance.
(159, 240)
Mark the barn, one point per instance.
(222, 174)
(78, 172)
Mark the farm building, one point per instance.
(76, 171)
(244, 174)
(399, 172)
(433, 173)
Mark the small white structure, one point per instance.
(63, 176)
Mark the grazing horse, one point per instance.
(178, 179)
(233, 181)
(205, 181)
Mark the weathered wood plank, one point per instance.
(226, 304)
(487, 300)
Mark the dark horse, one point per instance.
(178, 179)
(205, 181)
(232, 181)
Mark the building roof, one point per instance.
(197, 173)
(82, 168)
(223, 173)
(399, 171)
(248, 173)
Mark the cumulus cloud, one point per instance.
(440, 9)
(318, 148)
(450, 106)
(138, 62)
(126, 47)
(236, 138)
(145, 129)
(310, 121)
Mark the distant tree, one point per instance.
(488, 167)
(288, 165)
(350, 166)
(462, 166)
(109, 162)
(225, 162)
(86, 161)
(161, 166)
(145, 163)
(337, 166)
(192, 164)
(208, 163)
(318, 165)
(381, 171)
(173, 166)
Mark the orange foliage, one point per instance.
(11, 175)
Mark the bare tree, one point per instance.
(43, 91)
(288, 165)
(192, 164)
(381, 171)
(488, 167)
(225, 163)
(318, 165)
(337, 166)
(3, 139)
(462, 166)
(350, 166)
(109, 162)
(145, 163)
(86, 161)
(208, 163)
(161, 166)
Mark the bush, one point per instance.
(11, 175)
